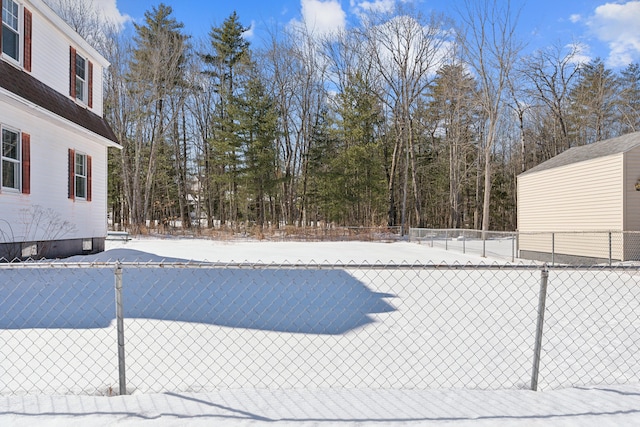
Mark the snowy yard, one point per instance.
(376, 347)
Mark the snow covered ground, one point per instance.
(578, 406)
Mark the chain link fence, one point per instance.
(494, 244)
(571, 247)
(116, 328)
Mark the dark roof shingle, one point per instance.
(33, 90)
(582, 153)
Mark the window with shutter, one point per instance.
(10, 160)
(79, 176)
(80, 173)
(80, 78)
(11, 30)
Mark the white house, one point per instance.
(53, 197)
(583, 204)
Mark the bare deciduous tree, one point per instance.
(490, 47)
(407, 50)
(551, 73)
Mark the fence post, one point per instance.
(610, 249)
(553, 248)
(464, 243)
(513, 248)
(120, 326)
(542, 300)
(484, 244)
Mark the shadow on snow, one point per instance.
(312, 300)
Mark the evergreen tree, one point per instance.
(629, 99)
(454, 104)
(256, 126)
(155, 71)
(358, 162)
(227, 66)
(593, 103)
(322, 189)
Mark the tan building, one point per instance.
(578, 204)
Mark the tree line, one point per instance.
(404, 119)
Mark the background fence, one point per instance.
(571, 247)
(199, 327)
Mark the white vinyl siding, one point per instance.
(49, 185)
(50, 64)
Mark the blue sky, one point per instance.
(606, 29)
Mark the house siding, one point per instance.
(632, 204)
(579, 197)
(632, 197)
(49, 146)
(50, 63)
(35, 100)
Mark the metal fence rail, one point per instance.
(495, 244)
(116, 328)
(568, 247)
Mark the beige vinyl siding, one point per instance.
(632, 197)
(632, 205)
(585, 196)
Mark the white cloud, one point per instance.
(575, 18)
(581, 53)
(617, 24)
(110, 11)
(362, 8)
(322, 18)
(106, 9)
(402, 41)
(376, 6)
(251, 31)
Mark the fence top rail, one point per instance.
(518, 232)
(307, 265)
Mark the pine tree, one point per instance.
(152, 82)
(256, 125)
(454, 104)
(227, 66)
(358, 163)
(629, 99)
(593, 103)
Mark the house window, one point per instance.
(10, 29)
(80, 171)
(79, 176)
(81, 78)
(10, 166)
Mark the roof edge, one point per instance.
(604, 148)
(60, 23)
